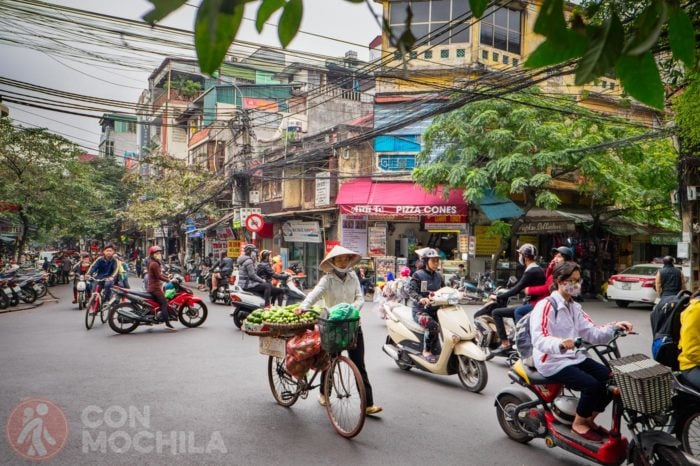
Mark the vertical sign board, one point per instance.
(354, 233)
(323, 189)
(377, 241)
(233, 248)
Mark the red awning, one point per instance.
(365, 197)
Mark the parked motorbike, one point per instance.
(245, 302)
(550, 415)
(460, 354)
(81, 287)
(685, 415)
(139, 308)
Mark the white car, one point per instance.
(635, 284)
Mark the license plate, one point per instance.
(7, 291)
(17, 289)
(273, 346)
(626, 286)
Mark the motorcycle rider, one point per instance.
(424, 281)
(341, 285)
(537, 292)
(553, 328)
(264, 271)
(106, 268)
(81, 268)
(156, 277)
(248, 279)
(533, 275)
(225, 266)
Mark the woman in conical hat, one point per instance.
(341, 285)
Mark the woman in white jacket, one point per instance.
(555, 324)
(341, 285)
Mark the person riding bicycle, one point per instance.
(264, 271)
(424, 281)
(533, 275)
(81, 268)
(340, 285)
(555, 324)
(248, 279)
(105, 268)
(156, 277)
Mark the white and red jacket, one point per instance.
(549, 325)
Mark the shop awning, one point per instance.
(366, 197)
(497, 207)
(226, 217)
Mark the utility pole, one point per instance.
(240, 126)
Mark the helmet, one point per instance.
(264, 254)
(528, 250)
(405, 271)
(277, 259)
(564, 409)
(154, 249)
(429, 253)
(169, 290)
(84, 254)
(248, 248)
(567, 253)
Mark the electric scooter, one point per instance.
(460, 354)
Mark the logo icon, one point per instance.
(37, 429)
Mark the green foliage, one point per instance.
(687, 116)
(215, 28)
(520, 149)
(187, 88)
(290, 21)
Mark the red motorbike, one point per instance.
(140, 308)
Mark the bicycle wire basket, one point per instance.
(646, 386)
(338, 335)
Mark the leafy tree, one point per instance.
(603, 36)
(522, 150)
(174, 192)
(41, 172)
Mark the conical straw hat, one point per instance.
(325, 264)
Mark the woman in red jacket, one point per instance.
(560, 254)
(156, 277)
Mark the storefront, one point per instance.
(386, 221)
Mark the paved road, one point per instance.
(201, 396)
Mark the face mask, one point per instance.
(338, 269)
(521, 260)
(573, 290)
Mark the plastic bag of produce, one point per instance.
(304, 345)
(343, 311)
(298, 369)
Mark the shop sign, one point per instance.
(463, 243)
(486, 244)
(260, 104)
(446, 222)
(323, 189)
(160, 232)
(403, 209)
(330, 244)
(664, 239)
(233, 248)
(224, 233)
(384, 265)
(354, 233)
(248, 211)
(546, 227)
(296, 231)
(377, 241)
(217, 247)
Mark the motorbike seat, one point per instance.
(535, 377)
(140, 294)
(405, 315)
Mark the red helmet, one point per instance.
(154, 249)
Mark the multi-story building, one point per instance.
(118, 138)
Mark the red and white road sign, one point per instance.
(254, 223)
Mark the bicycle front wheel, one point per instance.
(284, 386)
(345, 393)
(91, 310)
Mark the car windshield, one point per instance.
(641, 270)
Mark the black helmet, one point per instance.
(668, 260)
(567, 253)
(264, 254)
(248, 248)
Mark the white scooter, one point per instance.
(460, 354)
(245, 302)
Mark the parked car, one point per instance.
(634, 285)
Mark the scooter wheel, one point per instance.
(505, 407)
(237, 320)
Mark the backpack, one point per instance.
(523, 339)
(666, 328)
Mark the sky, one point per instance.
(338, 19)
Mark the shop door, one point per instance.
(313, 257)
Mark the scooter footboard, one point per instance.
(470, 350)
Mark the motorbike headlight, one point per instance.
(453, 300)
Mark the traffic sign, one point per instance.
(254, 223)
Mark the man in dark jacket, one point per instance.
(225, 267)
(424, 281)
(264, 271)
(106, 268)
(669, 280)
(248, 279)
(533, 275)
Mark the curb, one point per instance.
(25, 308)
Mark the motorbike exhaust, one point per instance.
(131, 315)
(391, 351)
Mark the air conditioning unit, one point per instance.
(254, 197)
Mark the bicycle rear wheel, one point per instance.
(284, 387)
(91, 310)
(345, 393)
